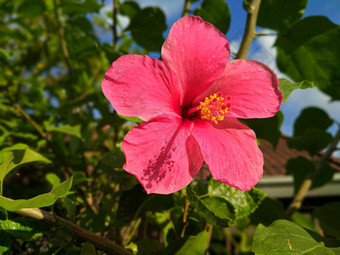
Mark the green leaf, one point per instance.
(150, 246)
(285, 237)
(269, 210)
(147, 27)
(215, 210)
(244, 202)
(193, 245)
(309, 51)
(311, 117)
(328, 216)
(300, 167)
(30, 9)
(53, 179)
(4, 55)
(304, 221)
(280, 15)
(132, 119)
(16, 156)
(65, 129)
(88, 249)
(129, 8)
(313, 140)
(72, 7)
(22, 228)
(288, 87)
(42, 200)
(268, 129)
(216, 12)
(6, 242)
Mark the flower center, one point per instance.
(213, 108)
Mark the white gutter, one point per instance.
(282, 187)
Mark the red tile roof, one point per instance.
(275, 160)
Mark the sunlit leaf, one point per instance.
(65, 129)
(285, 237)
(42, 200)
(194, 245)
(16, 156)
(288, 87)
(22, 228)
(216, 210)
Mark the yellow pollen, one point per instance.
(214, 108)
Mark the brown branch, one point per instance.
(307, 183)
(81, 233)
(186, 8)
(114, 25)
(249, 34)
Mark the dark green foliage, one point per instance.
(280, 15)
(309, 51)
(147, 27)
(216, 12)
(60, 139)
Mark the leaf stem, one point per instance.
(185, 214)
(249, 34)
(186, 8)
(99, 241)
(307, 183)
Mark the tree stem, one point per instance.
(254, 6)
(186, 8)
(114, 25)
(307, 183)
(81, 233)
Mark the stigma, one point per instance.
(213, 108)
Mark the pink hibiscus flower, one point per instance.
(189, 103)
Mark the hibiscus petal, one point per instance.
(231, 152)
(141, 86)
(197, 52)
(162, 154)
(253, 88)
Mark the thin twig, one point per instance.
(184, 218)
(186, 8)
(307, 183)
(249, 34)
(55, 151)
(210, 230)
(114, 26)
(81, 233)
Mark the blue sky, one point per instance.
(263, 51)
